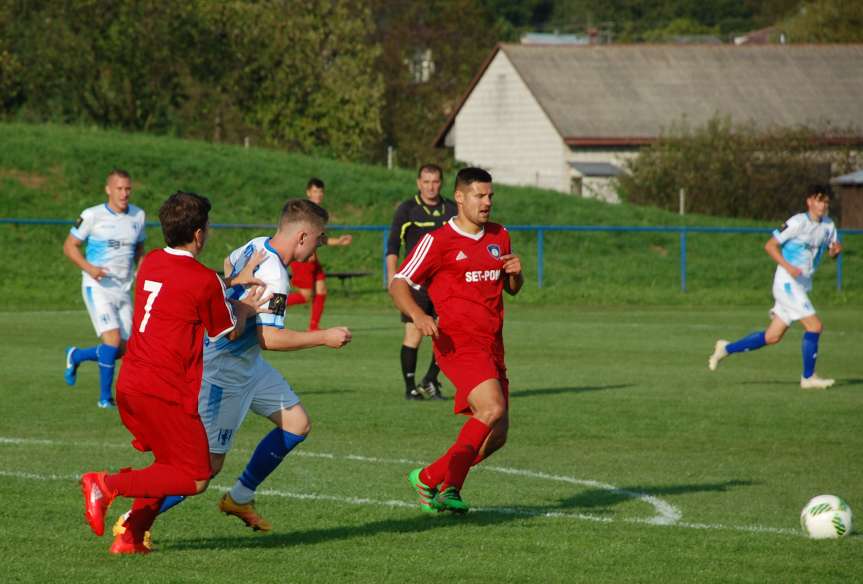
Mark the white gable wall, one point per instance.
(501, 127)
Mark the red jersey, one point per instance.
(463, 274)
(176, 298)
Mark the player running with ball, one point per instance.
(465, 265)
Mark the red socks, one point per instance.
(141, 518)
(317, 310)
(155, 481)
(296, 298)
(452, 467)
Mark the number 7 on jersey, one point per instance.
(153, 288)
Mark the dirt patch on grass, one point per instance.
(30, 180)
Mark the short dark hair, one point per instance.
(430, 168)
(303, 210)
(471, 174)
(315, 182)
(117, 172)
(183, 214)
(819, 189)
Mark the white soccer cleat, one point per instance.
(719, 353)
(815, 382)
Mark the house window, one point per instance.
(421, 65)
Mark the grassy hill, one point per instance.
(54, 172)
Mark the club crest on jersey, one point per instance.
(494, 250)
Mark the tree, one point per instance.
(452, 37)
(826, 21)
(312, 83)
(734, 171)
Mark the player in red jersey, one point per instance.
(308, 279)
(465, 265)
(176, 299)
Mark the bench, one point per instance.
(345, 277)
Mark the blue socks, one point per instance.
(267, 456)
(88, 354)
(171, 501)
(106, 356)
(810, 352)
(750, 343)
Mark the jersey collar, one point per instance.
(460, 231)
(113, 212)
(178, 252)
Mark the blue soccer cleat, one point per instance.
(71, 373)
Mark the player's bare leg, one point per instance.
(292, 427)
(809, 348)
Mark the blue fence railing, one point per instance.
(539, 230)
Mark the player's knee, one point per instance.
(491, 414)
(815, 327)
(771, 338)
(201, 486)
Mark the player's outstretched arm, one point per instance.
(274, 339)
(247, 308)
(340, 241)
(72, 250)
(774, 250)
(245, 277)
(403, 299)
(514, 278)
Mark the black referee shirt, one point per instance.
(413, 219)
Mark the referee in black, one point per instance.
(419, 215)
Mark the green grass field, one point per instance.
(627, 462)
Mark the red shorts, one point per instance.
(174, 436)
(469, 364)
(305, 274)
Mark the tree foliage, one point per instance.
(826, 21)
(733, 171)
(301, 74)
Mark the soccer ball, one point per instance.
(826, 517)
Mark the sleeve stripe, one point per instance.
(421, 250)
(228, 308)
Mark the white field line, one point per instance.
(666, 514)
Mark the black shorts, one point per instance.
(421, 297)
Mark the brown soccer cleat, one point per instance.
(246, 512)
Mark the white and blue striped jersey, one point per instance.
(233, 363)
(111, 239)
(804, 242)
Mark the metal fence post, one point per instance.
(683, 259)
(540, 245)
(839, 272)
(384, 258)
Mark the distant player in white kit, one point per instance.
(797, 247)
(114, 235)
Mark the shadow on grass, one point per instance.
(559, 390)
(598, 501)
(792, 383)
(288, 539)
(599, 498)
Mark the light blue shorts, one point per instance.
(223, 408)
